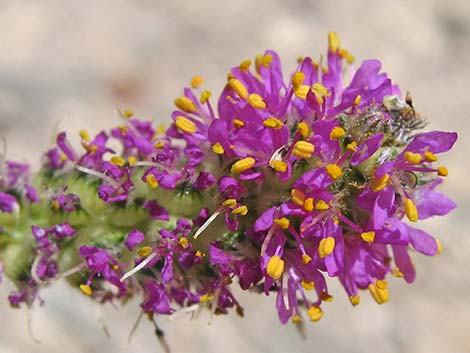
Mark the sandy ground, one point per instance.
(68, 65)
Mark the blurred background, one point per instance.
(69, 65)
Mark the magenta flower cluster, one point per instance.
(277, 186)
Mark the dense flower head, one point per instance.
(278, 184)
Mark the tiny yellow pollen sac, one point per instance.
(128, 113)
(380, 183)
(184, 242)
(282, 222)
(144, 251)
(196, 81)
(308, 204)
(296, 319)
(273, 123)
(315, 313)
(185, 125)
(84, 135)
(205, 298)
(352, 146)
(379, 291)
(245, 65)
(205, 95)
(229, 203)
(238, 87)
(306, 259)
(321, 205)
(199, 254)
(279, 166)
(298, 197)
(238, 123)
(302, 128)
(298, 79)
(217, 148)
(358, 99)
(368, 237)
(320, 92)
(430, 157)
(301, 91)
(355, 299)
(413, 158)
(243, 164)
(326, 246)
(334, 171)
(442, 171)
(241, 210)
(256, 101)
(303, 149)
(410, 210)
(152, 181)
(439, 247)
(119, 161)
(337, 133)
(326, 297)
(86, 289)
(307, 285)
(267, 59)
(55, 205)
(131, 160)
(343, 53)
(333, 42)
(275, 267)
(185, 104)
(395, 271)
(158, 145)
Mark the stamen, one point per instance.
(413, 158)
(241, 210)
(158, 145)
(343, 53)
(320, 92)
(229, 203)
(326, 246)
(315, 313)
(84, 135)
(308, 204)
(132, 161)
(357, 101)
(196, 81)
(118, 161)
(185, 125)
(238, 123)
(256, 101)
(298, 79)
(368, 237)
(86, 289)
(321, 205)
(245, 65)
(144, 251)
(442, 171)
(242, 165)
(282, 222)
(333, 42)
(301, 91)
(296, 319)
(307, 285)
(324, 296)
(302, 128)
(303, 149)
(127, 113)
(273, 123)
(380, 183)
(185, 104)
(355, 299)
(279, 166)
(298, 197)
(183, 242)
(218, 148)
(430, 157)
(150, 179)
(306, 259)
(410, 210)
(275, 267)
(238, 87)
(334, 171)
(337, 133)
(138, 267)
(267, 59)
(205, 95)
(379, 291)
(352, 146)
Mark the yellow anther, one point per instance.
(380, 183)
(185, 104)
(395, 271)
(334, 171)
(256, 101)
(84, 135)
(298, 197)
(368, 237)
(379, 291)
(131, 160)
(197, 81)
(119, 161)
(306, 259)
(301, 91)
(127, 113)
(326, 246)
(238, 123)
(410, 210)
(199, 254)
(230, 76)
(144, 251)
(275, 267)
(358, 99)
(282, 222)
(267, 59)
(115, 267)
(243, 164)
(158, 145)
(315, 313)
(86, 289)
(63, 156)
(326, 297)
(303, 149)
(429, 156)
(300, 59)
(439, 247)
(337, 133)
(245, 65)
(296, 319)
(160, 129)
(333, 42)
(183, 242)
(442, 171)
(352, 146)
(302, 128)
(205, 95)
(298, 79)
(238, 87)
(92, 149)
(123, 129)
(185, 125)
(229, 203)
(355, 299)
(241, 210)
(279, 166)
(273, 123)
(218, 148)
(307, 285)
(321, 205)
(413, 158)
(205, 298)
(343, 53)
(150, 179)
(308, 204)
(258, 62)
(320, 92)
(55, 205)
